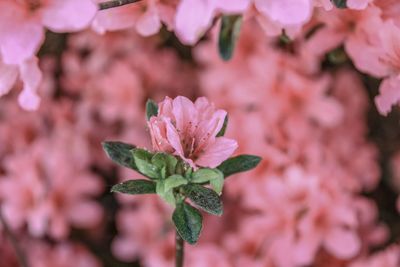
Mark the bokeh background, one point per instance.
(324, 195)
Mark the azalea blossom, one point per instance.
(22, 31)
(23, 23)
(189, 130)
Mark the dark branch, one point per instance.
(115, 3)
(18, 250)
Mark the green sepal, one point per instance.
(205, 175)
(238, 164)
(224, 126)
(135, 187)
(188, 222)
(167, 195)
(174, 181)
(204, 198)
(120, 153)
(229, 32)
(163, 160)
(142, 160)
(217, 184)
(188, 173)
(214, 176)
(151, 109)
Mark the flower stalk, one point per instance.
(179, 250)
(115, 3)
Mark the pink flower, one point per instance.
(65, 254)
(357, 4)
(22, 24)
(194, 17)
(31, 76)
(390, 257)
(189, 130)
(144, 16)
(285, 12)
(22, 28)
(381, 40)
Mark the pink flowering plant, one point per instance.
(190, 160)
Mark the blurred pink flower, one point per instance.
(189, 130)
(390, 10)
(390, 57)
(60, 255)
(193, 18)
(286, 12)
(31, 76)
(47, 194)
(380, 39)
(144, 16)
(390, 257)
(22, 24)
(22, 30)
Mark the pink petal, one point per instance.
(357, 4)
(158, 132)
(85, 214)
(8, 76)
(342, 243)
(184, 112)
(165, 107)
(20, 35)
(327, 111)
(59, 227)
(31, 77)
(286, 12)
(149, 23)
(217, 152)
(211, 126)
(193, 17)
(232, 6)
(390, 36)
(367, 41)
(117, 18)
(69, 15)
(389, 95)
(173, 138)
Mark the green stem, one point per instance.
(10, 235)
(115, 3)
(179, 250)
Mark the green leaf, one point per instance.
(204, 198)
(188, 222)
(188, 173)
(174, 181)
(162, 160)
(151, 109)
(340, 3)
(135, 187)
(205, 175)
(217, 184)
(237, 164)
(167, 195)
(229, 32)
(223, 129)
(120, 153)
(142, 160)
